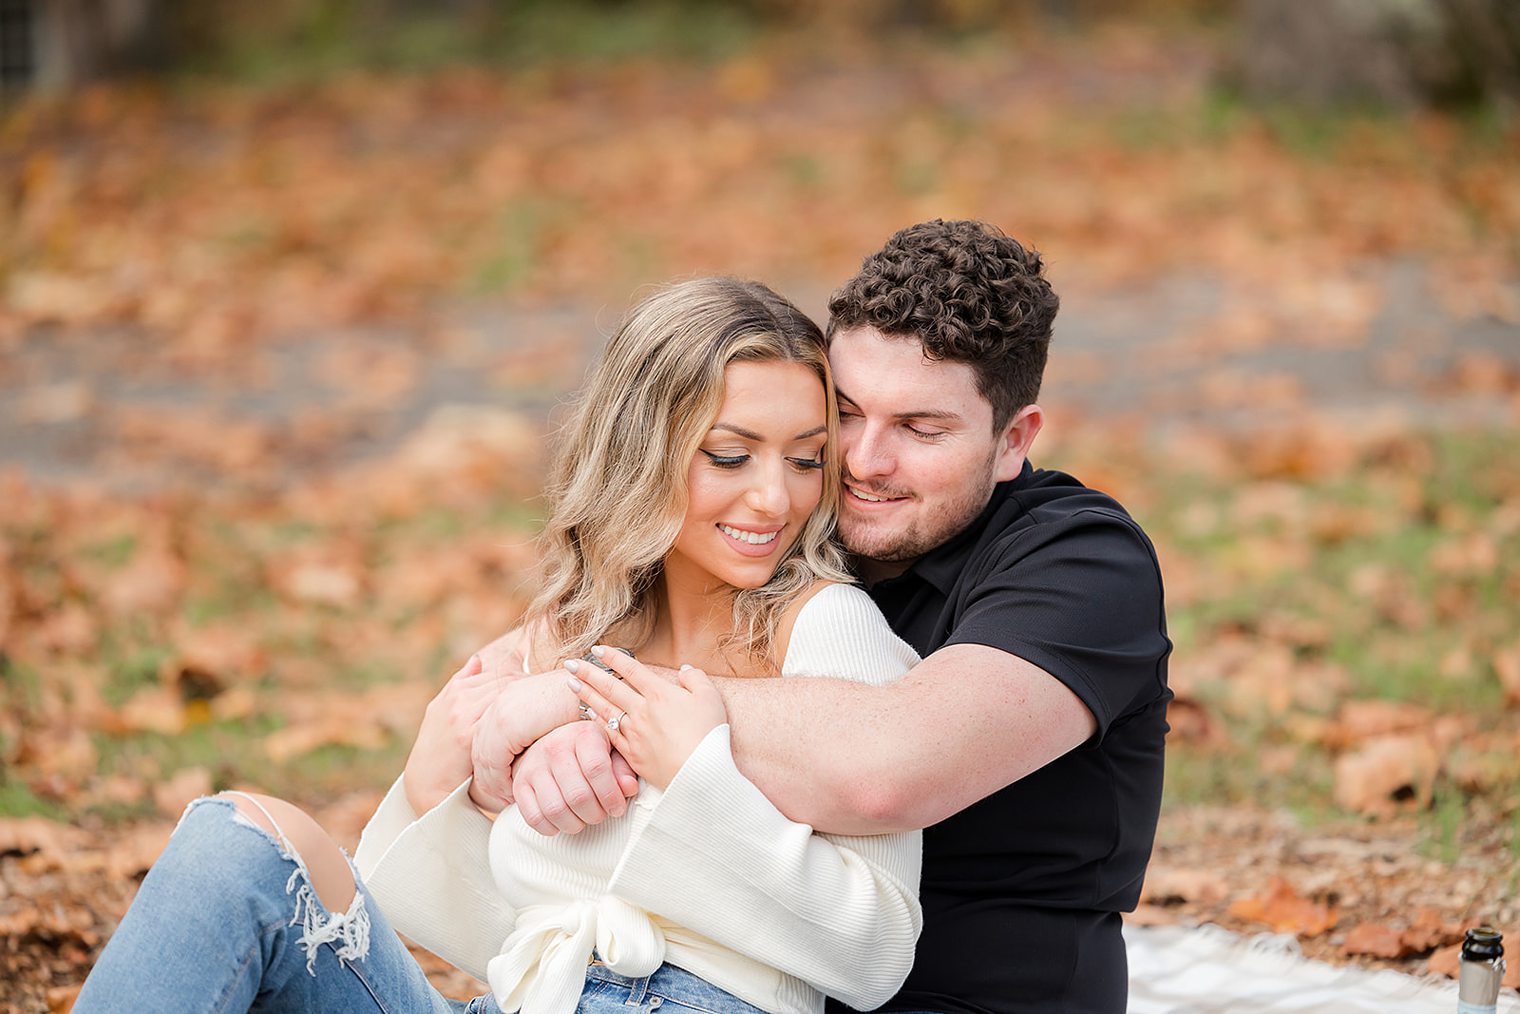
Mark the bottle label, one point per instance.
(1463, 1007)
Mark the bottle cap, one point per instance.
(1483, 943)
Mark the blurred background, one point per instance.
(289, 294)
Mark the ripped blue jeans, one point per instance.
(227, 920)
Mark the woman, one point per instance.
(692, 507)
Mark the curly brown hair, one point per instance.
(969, 294)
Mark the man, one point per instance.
(1028, 742)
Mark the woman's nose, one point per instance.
(769, 495)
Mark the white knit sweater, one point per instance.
(706, 875)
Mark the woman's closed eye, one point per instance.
(725, 460)
(736, 460)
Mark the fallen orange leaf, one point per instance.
(1387, 773)
(1285, 911)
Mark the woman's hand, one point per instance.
(653, 723)
(440, 758)
(521, 712)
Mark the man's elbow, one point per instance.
(880, 805)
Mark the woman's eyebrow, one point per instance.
(740, 431)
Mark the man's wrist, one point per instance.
(553, 705)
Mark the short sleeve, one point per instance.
(1081, 598)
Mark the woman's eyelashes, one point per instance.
(736, 460)
(725, 460)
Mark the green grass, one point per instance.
(1442, 825)
(18, 800)
(131, 665)
(1464, 480)
(1512, 843)
(114, 552)
(233, 752)
(521, 230)
(326, 38)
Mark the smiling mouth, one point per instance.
(752, 538)
(861, 494)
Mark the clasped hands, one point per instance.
(518, 738)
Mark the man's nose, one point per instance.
(866, 453)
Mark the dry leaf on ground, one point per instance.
(1387, 773)
(1285, 911)
(1448, 962)
(1164, 885)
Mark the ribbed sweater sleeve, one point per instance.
(431, 876)
(711, 853)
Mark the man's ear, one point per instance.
(1016, 440)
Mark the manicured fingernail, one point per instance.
(574, 684)
(685, 666)
(598, 651)
(476, 659)
(571, 664)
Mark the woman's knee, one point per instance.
(326, 865)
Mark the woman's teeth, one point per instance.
(753, 538)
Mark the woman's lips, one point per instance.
(748, 541)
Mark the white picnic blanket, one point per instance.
(1208, 970)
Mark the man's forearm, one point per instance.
(855, 759)
(819, 750)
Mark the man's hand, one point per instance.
(524, 710)
(570, 779)
(440, 758)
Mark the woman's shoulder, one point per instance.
(830, 597)
(835, 629)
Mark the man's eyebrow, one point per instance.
(752, 435)
(944, 415)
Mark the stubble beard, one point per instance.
(922, 533)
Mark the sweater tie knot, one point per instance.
(541, 967)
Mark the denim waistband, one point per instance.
(675, 984)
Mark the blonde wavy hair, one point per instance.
(617, 490)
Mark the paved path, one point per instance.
(1175, 351)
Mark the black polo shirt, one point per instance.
(1022, 891)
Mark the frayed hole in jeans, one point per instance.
(320, 927)
(347, 931)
